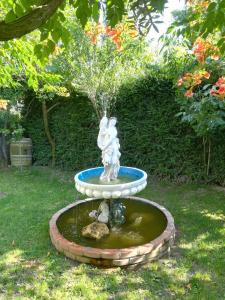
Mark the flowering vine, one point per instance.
(191, 80)
(117, 34)
(202, 49)
(198, 4)
(218, 89)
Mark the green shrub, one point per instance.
(151, 137)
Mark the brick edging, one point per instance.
(114, 257)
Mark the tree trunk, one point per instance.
(47, 131)
(3, 151)
(29, 22)
(209, 156)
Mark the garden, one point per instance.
(87, 97)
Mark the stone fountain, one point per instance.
(112, 228)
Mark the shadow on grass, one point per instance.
(30, 268)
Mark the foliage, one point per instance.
(31, 268)
(10, 124)
(201, 18)
(204, 108)
(10, 121)
(23, 16)
(151, 136)
(99, 62)
(20, 68)
(10, 128)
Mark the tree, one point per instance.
(99, 61)
(21, 70)
(24, 16)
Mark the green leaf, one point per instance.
(95, 12)
(211, 6)
(38, 50)
(44, 35)
(65, 36)
(50, 47)
(19, 10)
(56, 34)
(11, 16)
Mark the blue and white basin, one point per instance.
(129, 182)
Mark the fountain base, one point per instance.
(137, 242)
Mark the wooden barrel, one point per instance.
(21, 153)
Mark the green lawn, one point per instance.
(30, 268)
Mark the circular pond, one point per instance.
(146, 235)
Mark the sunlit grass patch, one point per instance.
(31, 268)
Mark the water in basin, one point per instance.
(144, 223)
(119, 180)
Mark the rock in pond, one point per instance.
(95, 230)
(133, 236)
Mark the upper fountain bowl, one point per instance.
(129, 182)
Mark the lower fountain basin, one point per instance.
(147, 234)
(129, 182)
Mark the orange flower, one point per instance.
(189, 93)
(215, 57)
(117, 34)
(203, 49)
(220, 81)
(198, 5)
(218, 89)
(57, 50)
(180, 82)
(206, 74)
(133, 33)
(3, 104)
(190, 80)
(221, 90)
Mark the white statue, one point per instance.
(102, 214)
(109, 144)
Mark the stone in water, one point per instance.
(133, 236)
(95, 230)
(93, 214)
(137, 221)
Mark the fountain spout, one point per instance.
(109, 144)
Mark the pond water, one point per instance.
(119, 180)
(144, 223)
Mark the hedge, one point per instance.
(151, 137)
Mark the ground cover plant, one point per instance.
(30, 268)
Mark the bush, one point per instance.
(151, 137)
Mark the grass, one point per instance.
(30, 268)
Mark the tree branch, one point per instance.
(53, 106)
(31, 21)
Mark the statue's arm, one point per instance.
(100, 138)
(113, 135)
(109, 142)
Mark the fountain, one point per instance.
(112, 228)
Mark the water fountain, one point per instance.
(112, 228)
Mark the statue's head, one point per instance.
(103, 122)
(112, 121)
